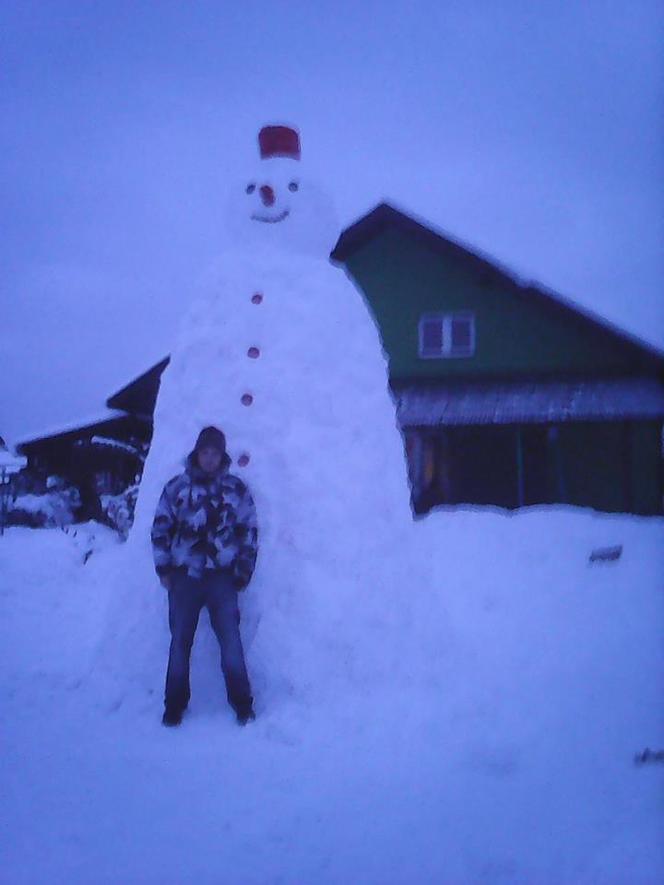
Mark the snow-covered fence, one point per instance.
(9, 466)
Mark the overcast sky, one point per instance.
(530, 131)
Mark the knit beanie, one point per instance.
(213, 438)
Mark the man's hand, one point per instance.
(166, 581)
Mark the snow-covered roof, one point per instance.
(72, 426)
(11, 462)
(114, 444)
(529, 401)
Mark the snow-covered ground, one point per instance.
(504, 753)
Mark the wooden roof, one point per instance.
(140, 395)
(530, 401)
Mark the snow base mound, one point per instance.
(495, 741)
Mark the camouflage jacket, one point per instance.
(204, 522)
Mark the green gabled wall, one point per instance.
(403, 278)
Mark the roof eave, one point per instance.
(113, 401)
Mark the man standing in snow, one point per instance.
(204, 541)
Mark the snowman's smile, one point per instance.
(269, 219)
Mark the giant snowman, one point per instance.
(280, 351)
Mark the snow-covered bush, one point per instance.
(54, 509)
(119, 510)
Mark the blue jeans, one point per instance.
(186, 598)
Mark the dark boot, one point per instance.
(244, 714)
(171, 717)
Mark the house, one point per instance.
(102, 455)
(508, 394)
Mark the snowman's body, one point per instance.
(283, 355)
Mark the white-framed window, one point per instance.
(444, 335)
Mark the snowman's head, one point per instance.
(272, 192)
(278, 206)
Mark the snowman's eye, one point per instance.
(251, 188)
(293, 186)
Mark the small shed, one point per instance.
(508, 394)
(103, 455)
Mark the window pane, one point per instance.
(461, 333)
(432, 336)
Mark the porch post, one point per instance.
(4, 493)
(627, 483)
(519, 466)
(553, 437)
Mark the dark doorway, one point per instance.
(535, 458)
(483, 465)
(505, 465)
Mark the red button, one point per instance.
(243, 460)
(247, 399)
(253, 353)
(256, 298)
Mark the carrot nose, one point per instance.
(267, 195)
